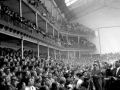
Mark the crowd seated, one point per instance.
(71, 43)
(62, 24)
(13, 18)
(76, 28)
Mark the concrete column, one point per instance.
(45, 2)
(74, 54)
(55, 53)
(51, 9)
(53, 32)
(79, 55)
(22, 47)
(20, 7)
(58, 35)
(48, 53)
(36, 19)
(38, 49)
(57, 15)
(59, 55)
(68, 55)
(78, 39)
(46, 27)
(67, 38)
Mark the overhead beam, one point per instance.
(92, 8)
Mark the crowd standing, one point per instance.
(32, 73)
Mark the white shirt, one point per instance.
(79, 82)
(30, 88)
(117, 70)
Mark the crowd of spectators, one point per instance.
(62, 24)
(32, 73)
(13, 18)
(76, 28)
(72, 43)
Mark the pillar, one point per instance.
(74, 54)
(45, 2)
(68, 55)
(36, 19)
(48, 54)
(38, 49)
(59, 55)
(46, 26)
(79, 55)
(67, 38)
(58, 35)
(51, 9)
(57, 15)
(53, 32)
(22, 51)
(20, 7)
(55, 53)
(78, 39)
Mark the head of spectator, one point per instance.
(117, 64)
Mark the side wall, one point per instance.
(107, 21)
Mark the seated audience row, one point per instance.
(13, 18)
(63, 24)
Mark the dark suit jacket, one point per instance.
(116, 75)
(116, 82)
(108, 73)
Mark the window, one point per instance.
(69, 2)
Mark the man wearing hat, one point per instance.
(96, 76)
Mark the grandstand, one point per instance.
(59, 44)
(38, 26)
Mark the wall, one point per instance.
(107, 21)
(110, 39)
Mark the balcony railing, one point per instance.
(13, 18)
(62, 24)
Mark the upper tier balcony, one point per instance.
(61, 24)
(13, 19)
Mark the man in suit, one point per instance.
(116, 75)
(96, 76)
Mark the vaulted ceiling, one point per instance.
(83, 7)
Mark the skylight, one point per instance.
(69, 2)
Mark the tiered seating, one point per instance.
(62, 24)
(71, 43)
(43, 10)
(13, 18)
(85, 43)
(76, 28)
